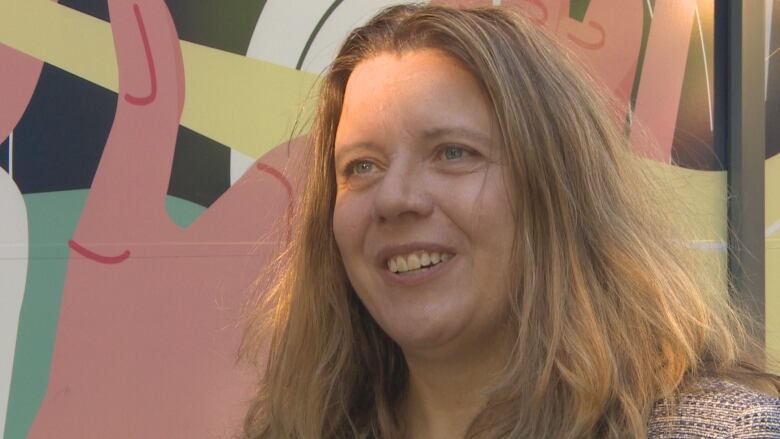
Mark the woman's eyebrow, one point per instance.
(427, 134)
(341, 149)
(456, 131)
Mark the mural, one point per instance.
(148, 169)
(122, 332)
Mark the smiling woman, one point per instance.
(477, 257)
(424, 176)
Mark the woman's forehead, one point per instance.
(424, 91)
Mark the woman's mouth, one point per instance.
(416, 262)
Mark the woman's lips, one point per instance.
(391, 251)
(416, 277)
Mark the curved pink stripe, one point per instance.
(592, 46)
(83, 251)
(287, 186)
(148, 99)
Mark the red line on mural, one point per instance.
(286, 183)
(83, 251)
(592, 46)
(148, 99)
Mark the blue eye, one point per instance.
(362, 167)
(453, 153)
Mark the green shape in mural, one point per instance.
(578, 8)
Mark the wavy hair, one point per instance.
(606, 316)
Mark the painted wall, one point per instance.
(146, 180)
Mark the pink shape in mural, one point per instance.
(605, 41)
(546, 13)
(658, 99)
(150, 314)
(609, 42)
(18, 79)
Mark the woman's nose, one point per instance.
(403, 193)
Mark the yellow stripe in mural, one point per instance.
(695, 199)
(772, 196)
(246, 104)
(772, 221)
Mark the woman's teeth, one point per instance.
(415, 261)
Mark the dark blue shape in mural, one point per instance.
(59, 140)
(4, 155)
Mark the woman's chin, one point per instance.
(424, 338)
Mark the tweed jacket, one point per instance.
(718, 409)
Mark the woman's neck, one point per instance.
(440, 406)
(445, 395)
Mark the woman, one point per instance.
(474, 258)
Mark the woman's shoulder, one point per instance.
(716, 408)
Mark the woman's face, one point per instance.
(422, 216)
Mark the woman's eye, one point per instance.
(453, 153)
(360, 167)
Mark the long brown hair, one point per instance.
(607, 318)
